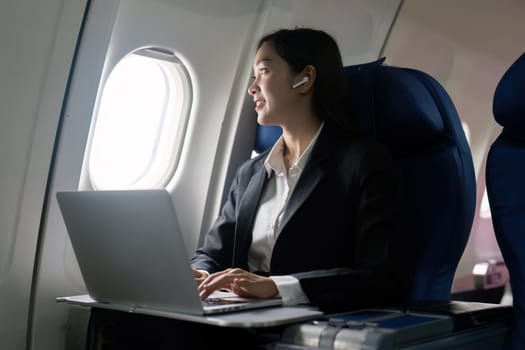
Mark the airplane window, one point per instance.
(466, 130)
(140, 123)
(484, 210)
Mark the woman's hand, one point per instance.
(240, 282)
(199, 276)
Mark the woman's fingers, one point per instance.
(219, 280)
(240, 282)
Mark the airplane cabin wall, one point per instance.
(38, 41)
(114, 28)
(466, 45)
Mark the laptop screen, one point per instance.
(131, 251)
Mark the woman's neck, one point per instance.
(297, 139)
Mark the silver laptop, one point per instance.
(131, 252)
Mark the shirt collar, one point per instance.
(275, 162)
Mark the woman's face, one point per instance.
(271, 88)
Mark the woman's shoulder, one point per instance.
(253, 164)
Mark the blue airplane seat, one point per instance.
(411, 113)
(505, 176)
(266, 136)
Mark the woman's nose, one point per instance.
(253, 88)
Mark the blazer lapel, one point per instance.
(247, 210)
(307, 182)
(312, 174)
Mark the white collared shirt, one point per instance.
(272, 207)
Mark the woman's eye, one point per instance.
(261, 71)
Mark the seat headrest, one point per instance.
(407, 114)
(509, 98)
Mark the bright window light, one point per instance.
(484, 210)
(140, 122)
(466, 130)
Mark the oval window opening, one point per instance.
(140, 122)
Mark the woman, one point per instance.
(309, 220)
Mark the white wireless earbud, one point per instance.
(300, 82)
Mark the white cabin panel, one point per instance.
(210, 40)
(38, 42)
(360, 27)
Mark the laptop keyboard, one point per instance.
(220, 301)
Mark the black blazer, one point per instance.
(335, 232)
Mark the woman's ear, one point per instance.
(306, 79)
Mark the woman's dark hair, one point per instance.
(304, 46)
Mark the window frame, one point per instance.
(171, 130)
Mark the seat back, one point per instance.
(505, 178)
(410, 112)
